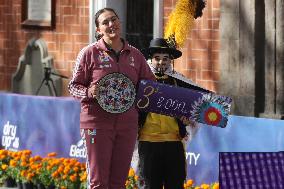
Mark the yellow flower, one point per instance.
(131, 172)
(215, 186)
(205, 186)
(4, 166)
(13, 163)
(136, 177)
(66, 170)
(3, 152)
(189, 183)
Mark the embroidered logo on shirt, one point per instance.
(131, 61)
(104, 60)
(103, 56)
(93, 133)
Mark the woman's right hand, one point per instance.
(92, 91)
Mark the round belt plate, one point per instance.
(115, 93)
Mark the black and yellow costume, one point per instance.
(161, 151)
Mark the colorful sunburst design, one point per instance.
(211, 109)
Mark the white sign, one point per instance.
(39, 10)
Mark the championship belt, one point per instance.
(115, 93)
(202, 107)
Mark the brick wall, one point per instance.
(200, 60)
(64, 42)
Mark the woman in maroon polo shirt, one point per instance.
(110, 138)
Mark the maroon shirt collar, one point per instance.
(102, 45)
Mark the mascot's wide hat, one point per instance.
(161, 45)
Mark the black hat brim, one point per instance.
(174, 53)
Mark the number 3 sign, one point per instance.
(207, 108)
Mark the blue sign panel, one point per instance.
(242, 134)
(51, 124)
(41, 124)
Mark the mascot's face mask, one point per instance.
(161, 62)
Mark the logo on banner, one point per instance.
(78, 150)
(192, 158)
(9, 139)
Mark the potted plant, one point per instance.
(131, 182)
(68, 174)
(44, 172)
(19, 167)
(5, 179)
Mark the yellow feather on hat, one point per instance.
(181, 20)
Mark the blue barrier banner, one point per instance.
(51, 124)
(41, 124)
(242, 134)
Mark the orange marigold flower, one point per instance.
(27, 152)
(83, 167)
(73, 177)
(66, 170)
(33, 166)
(23, 158)
(215, 186)
(76, 169)
(23, 173)
(3, 156)
(83, 177)
(38, 158)
(205, 186)
(66, 161)
(48, 168)
(78, 164)
(189, 183)
(23, 164)
(52, 154)
(13, 163)
(55, 174)
(136, 177)
(131, 172)
(60, 169)
(3, 152)
(30, 176)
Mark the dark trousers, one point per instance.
(162, 164)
